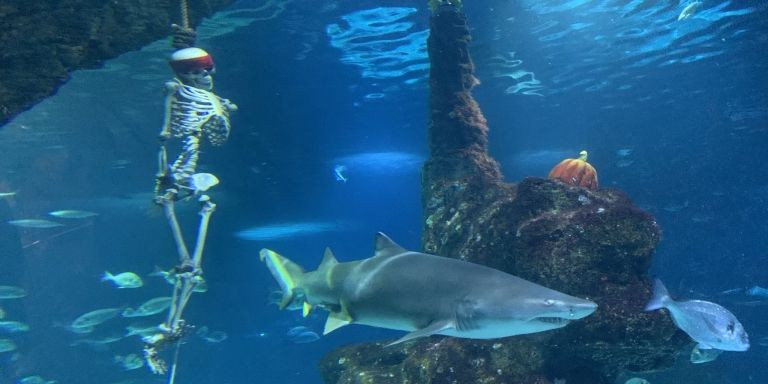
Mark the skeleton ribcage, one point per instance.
(194, 110)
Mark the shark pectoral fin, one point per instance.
(305, 308)
(429, 330)
(286, 301)
(335, 321)
(465, 315)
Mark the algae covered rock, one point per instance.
(42, 41)
(438, 360)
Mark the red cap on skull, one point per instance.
(190, 59)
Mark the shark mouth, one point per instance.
(554, 320)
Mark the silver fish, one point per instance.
(425, 295)
(32, 380)
(7, 345)
(211, 337)
(13, 327)
(141, 330)
(10, 292)
(129, 362)
(96, 317)
(707, 323)
(149, 308)
(305, 337)
(701, 356)
(35, 223)
(80, 330)
(72, 214)
(689, 10)
(215, 337)
(97, 342)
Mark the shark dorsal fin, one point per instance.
(385, 247)
(335, 321)
(329, 260)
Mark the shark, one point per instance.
(422, 294)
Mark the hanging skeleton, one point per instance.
(192, 111)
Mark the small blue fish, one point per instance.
(709, 324)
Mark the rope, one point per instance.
(184, 14)
(172, 376)
(183, 35)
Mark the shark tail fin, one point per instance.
(659, 298)
(286, 272)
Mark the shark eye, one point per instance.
(731, 327)
(549, 302)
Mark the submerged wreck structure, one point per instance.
(587, 243)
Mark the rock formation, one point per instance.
(592, 244)
(42, 41)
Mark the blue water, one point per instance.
(674, 113)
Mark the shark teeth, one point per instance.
(553, 320)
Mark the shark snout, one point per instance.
(581, 309)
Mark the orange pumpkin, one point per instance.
(576, 172)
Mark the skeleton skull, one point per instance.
(200, 78)
(194, 67)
